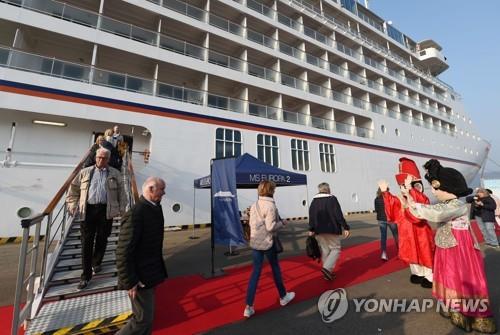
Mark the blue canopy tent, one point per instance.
(250, 171)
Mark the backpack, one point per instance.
(312, 248)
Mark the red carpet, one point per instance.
(191, 305)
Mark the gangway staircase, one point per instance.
(53, 304)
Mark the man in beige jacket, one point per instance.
(97, 196)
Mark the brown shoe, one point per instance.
(461, 321)
(484, 325)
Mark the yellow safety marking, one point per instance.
(63, 331)
(121, 317)
(92, 324)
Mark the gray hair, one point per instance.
(103, 151)
(324, 188)
(151, 181)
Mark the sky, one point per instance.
(469, 33)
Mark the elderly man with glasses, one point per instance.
(97, 196)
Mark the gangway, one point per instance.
(53, 303)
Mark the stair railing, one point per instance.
(57, 222)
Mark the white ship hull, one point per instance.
(181, 136)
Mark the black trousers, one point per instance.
(143, 307)
(95, 230)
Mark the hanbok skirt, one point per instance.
(459, 277)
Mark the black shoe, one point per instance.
(327, 274)
(97, 268)
(425, 283)
(83, 284)
(414, 279)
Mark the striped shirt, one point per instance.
(97, 189)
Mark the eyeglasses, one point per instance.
(101, 157)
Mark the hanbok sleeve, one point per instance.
(441, 212)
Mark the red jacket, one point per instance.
(416, 239)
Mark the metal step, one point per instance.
(76, 226)
(69, 313)
(65, 291)
(78, 251)
(111, 239)
(74, 275)
(76, 263)
(77, 245)
(77, 235)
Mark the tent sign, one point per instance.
(257, 178)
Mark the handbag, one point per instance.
(277, 245)
(246, 231)
(312, 248)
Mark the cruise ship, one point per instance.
(327, 88)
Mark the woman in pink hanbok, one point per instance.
(459, 278)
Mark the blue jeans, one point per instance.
(488, 231)
(383, 233)
(258, 259)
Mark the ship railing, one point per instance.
(55, 218)
(180, 93)
(289, 22)
(91, 19)
(267, 112)
(73, 71)
(226, 103)
(235, 64)
(150, 37)
(291, 81)
(182, 47)
(262, 72)
(42, 255)
(294, 117)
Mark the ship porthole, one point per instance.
(355, 197)
(176, 208)
(382, 129)
(304, 203)
(397, 132)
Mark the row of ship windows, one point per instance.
(228, 143)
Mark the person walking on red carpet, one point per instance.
(264, 224)
(416, 239)
(139, 258)
(328, 224)
(384, 224)
(459, 277)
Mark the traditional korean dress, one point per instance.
(459, 276)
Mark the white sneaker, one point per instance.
(287, 298)
(249, 311)
(384, 256)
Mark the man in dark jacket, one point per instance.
(483, 211)
(326, 221)
(115, 159)
(139, 258)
